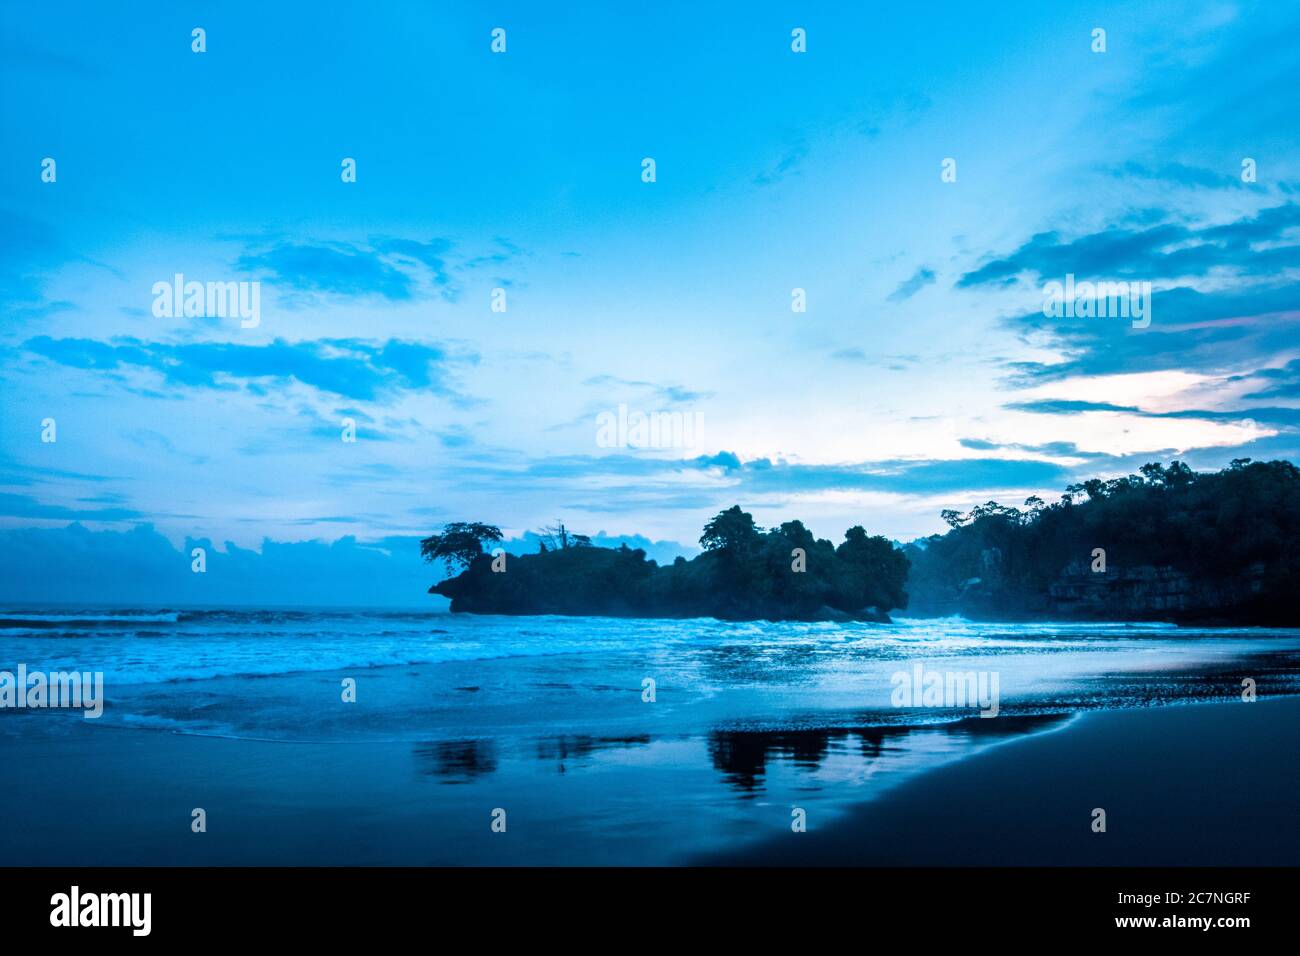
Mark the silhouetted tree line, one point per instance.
(1230, 538)
(744, 573)
(1176, 544)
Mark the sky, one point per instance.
(921, 174)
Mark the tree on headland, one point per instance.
(732, 531)
(879, 570)
(459, 544)
(744, 573)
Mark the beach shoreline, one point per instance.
(1207, 784)
(610, 743)
(1182, 785)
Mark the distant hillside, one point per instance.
(1166, 544)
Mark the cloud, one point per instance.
(353, 368)
(431, 254)
(1285, 382)
(903, 477)
(455, 437)
(141, 567)
(672, 394)
(506, 251)
(765, 476)
(895, 363)
(25, 506)
(1266, 414)
(338, 269)
(1179, 174)
(1056, 449)
(390, 268)
(788, 163)
(29, 249)
(13, 472)
(1056, 406)
(1239, 325)
(1190, 331)
(724, 459)
(920, 279)
(1164, 251)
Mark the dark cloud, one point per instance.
(1164, 251)
(1213, 332)
(1056, 449)
(1269, 415)
(1283, 382)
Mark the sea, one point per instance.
(381, 736)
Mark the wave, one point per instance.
(160, 644)
(126, 618)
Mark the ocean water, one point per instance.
(458, 715)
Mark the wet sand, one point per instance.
(1196, 785)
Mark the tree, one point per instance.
(878, 570)
(732, 531)
(1154, 472)
(952, 517)
(459, 544)
(556, 537)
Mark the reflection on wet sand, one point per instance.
(458, 761)
(741, 756)
(580, 747)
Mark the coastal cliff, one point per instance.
(1140, 593)
(1169, 544)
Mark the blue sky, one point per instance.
(922, 376)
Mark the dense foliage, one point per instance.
(744, 573)
(460, 543)
(1177, 545)
(1232, 538)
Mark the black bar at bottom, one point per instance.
(334, 905)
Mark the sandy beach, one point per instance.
(1197, 785)
(1207, 784)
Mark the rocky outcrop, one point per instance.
(1136, 593)
(1146, 592)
